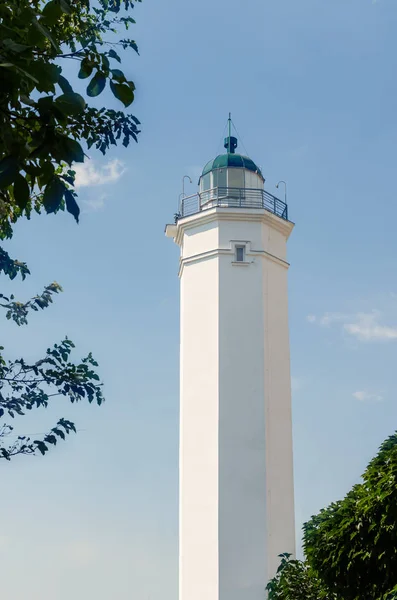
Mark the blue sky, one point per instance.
(313, 93)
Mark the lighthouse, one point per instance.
(236, 497)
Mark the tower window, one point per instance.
(240, 253)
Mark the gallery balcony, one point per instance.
(226, 197)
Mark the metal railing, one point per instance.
(232, 198)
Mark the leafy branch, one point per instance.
(42, 119)
(26, 386)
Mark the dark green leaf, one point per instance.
(53, 195)
(25, 73)
(96, 85)
(70, 103)
(46, 74)
(129, 44)
(41, 446)
(45, 105)
(45, 32)
(65, 85)
(13, 46)
(47, 172)
(72, 151)
(21, 191)
(127, 21)
(65, 6)
(36, 37)
(86, 67)
(114, 55)
(8, 171)
(71, 205)
(118, 75)
(123, 92)
(51, 439)
(105, 63)
(52, 12)
(26, 100)
(59, 432)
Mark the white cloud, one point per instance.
(327, 318)
(330, 318)
(95, 203)
(365, 327)
(87, 174)
(364, 396)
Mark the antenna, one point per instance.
(230, 141)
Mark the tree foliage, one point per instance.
(24, 386)
(296, 581)
(350, 546)
(42, 119)
(44, 126)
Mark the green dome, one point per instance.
(231, 160)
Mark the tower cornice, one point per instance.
(228, 214)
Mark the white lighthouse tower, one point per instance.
(236, 501)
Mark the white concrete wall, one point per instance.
(242, 454)
(199, 415)
(236, 481)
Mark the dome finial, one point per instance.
(230, 142)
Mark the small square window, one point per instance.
(240, 253)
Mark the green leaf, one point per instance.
(26, 100)
(72, 151)
(46, 33)
(51, 439)
(41, 446)
(129, 44)
(36, 38)
(65, 85)
(46, 173)
(105, 64)
(52, 12)
(53, 195)
(71, 205)
(8, 171)
(70, 103)
(65, 6)
(86, 67)
(9, 44)
(25, 73)
(21, 191)
(118, 75)
(46, 74)
(127, 21)
(114, 55)
(45, 105)
(96, 85)
(122, 92)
